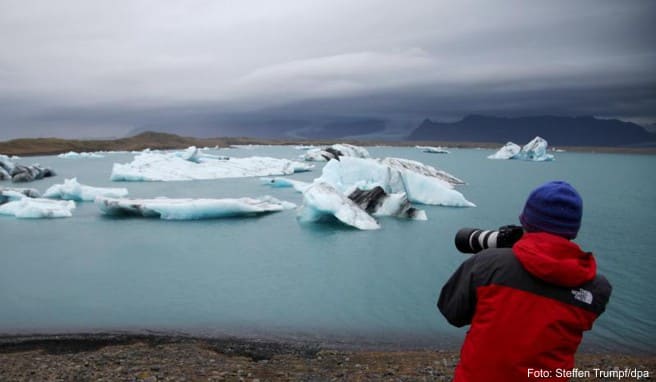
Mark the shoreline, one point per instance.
(163, 141)
(158, 357)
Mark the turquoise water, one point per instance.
(270, 276)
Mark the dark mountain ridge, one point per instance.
(561, 131)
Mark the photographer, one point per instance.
(528, 305)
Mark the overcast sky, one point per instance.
(102, 68)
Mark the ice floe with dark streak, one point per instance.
(191, 209)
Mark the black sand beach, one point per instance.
(119, 357)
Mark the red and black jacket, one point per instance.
(527, 306)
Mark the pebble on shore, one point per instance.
(188, 359)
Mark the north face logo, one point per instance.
(582, 295)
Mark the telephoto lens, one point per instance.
(474, 240)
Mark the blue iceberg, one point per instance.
(76, 155)
(321, 200)
(433, 150)
(508, 151)
(535, 151)
(323, 154)
(191, 209)
(21, 204)
(72, 190)
(420, 183)
(193, 165)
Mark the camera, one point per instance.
(474, 240)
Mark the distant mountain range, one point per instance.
(560, 131)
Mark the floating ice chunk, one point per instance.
(72, 190)
(212, 156)
(508, 151)
(191, 209)
(6, 167)
(171, 167)
(535, 150)
(422, 184)
(22, 173)
(334, 152)
(191, 154)
(378, 203)
(301, 167)
(422, 169)
(278, 182)
(304, 147)
(433, 150)
(195, 155)
(29, 208)
(9, 194)
(430, 190)
(321, 200)
(75, 155)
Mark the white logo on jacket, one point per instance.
(582, 295)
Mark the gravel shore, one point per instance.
(170, 358)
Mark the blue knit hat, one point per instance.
(554, 207)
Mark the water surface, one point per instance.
(271, 276)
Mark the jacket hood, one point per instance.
(555, 259)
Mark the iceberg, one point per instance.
(508, 151)
(335, 152)
(536, 150)
(25, 207)
(433, 150)
(421, 183)
(321, 201)
(422, 169)
(9, 194)
(278, 182)
(195, 155)
(191, 209)
(378, 203)
(6, 167)
(72, 190)
(375, 201)
(303, 147)
(76, 155)
(22, 173)
(189, 165)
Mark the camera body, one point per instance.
(474, 240)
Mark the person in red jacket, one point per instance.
(528, 305)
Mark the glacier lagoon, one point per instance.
(272, 277)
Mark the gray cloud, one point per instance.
(103, 68)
